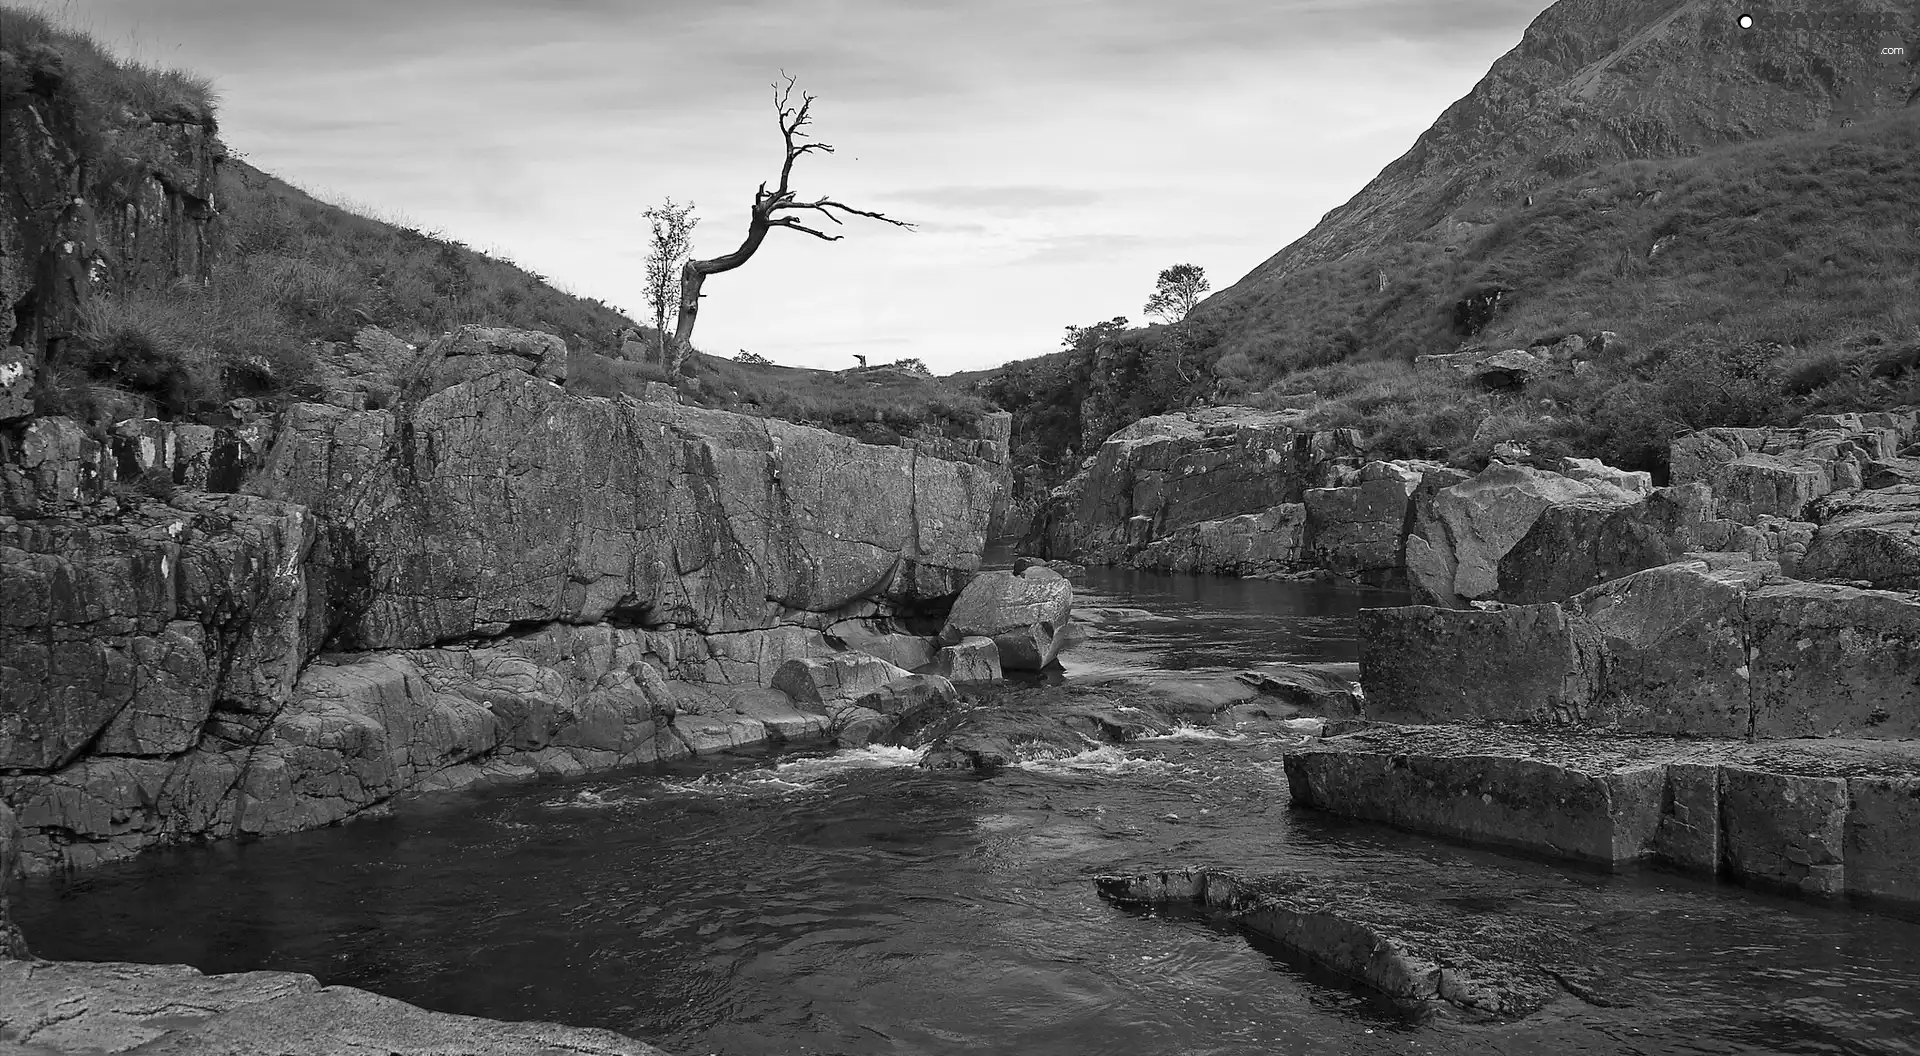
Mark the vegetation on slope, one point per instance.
(1748, 285)
(308, 300)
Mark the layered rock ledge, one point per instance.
(1241, 492)
(494, 579)
(1829, 817)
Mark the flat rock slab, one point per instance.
(77, 1007)
(1820, 817)
(1434, 951)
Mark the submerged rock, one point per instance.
(1308, 690)
(1423, 951)
(171, 1008)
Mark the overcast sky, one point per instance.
(1054, 154)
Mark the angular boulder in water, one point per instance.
(1026, 615)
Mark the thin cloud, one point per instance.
(1001, 199)
(1052, 154)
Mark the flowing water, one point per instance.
(846, 902)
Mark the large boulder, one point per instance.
(841, 678)
(477, 351)
(1521, 663)
(1868, 536)
(1502, 369)
(1574, 546)
(1165, 472)
(1672, 648)
(1833, 661)
(972, 659)
(1025, 615)
(1359, 531)
(1459, 537)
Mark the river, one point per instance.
(808, 902)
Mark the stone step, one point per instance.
(1824, 817)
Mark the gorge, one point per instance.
(411, 667)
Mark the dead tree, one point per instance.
(771, 209)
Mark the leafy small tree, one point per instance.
(1085, 338)
(1177, 290)
(671, 246)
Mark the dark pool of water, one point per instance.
(849, 903)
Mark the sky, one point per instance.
(1053, 155)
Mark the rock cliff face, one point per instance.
(1176, 470)
(80, 218)
(496, 578)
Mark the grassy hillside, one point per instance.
(307, 300)
(1738, 206)
(1750, 285)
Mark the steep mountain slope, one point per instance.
(1734, 207)
(1600, 81)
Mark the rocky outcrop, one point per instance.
(1780, 472)
(1827, 818)
(1574, 546)
(1026, 616)
(504, 500)
(1717, 647)
(1870, 537)
(1163, 473)
(134, 636)
(1460, 535)
(81, 216)
(171, 1008)
(1267, 543)
(1359, 532)
(510, 580)
(1505, 369)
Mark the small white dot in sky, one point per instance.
(1746, 21)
